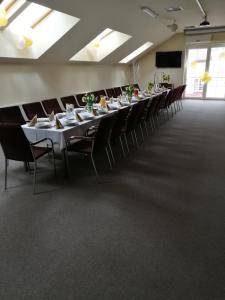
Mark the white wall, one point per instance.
(147, 69)
(21, 83)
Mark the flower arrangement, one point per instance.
(150, 86)
(165, 77)
(90, 99)
(130, 90)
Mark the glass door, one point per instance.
(196, 66)
(205, 72)
(216, 87)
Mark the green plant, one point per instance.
(130, 90)
(90, 99)
(150, 86)
(165, 77)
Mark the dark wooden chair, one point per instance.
(79, 100)
(118, 130)
(136, 86)
(51, 105)
(117, 91)
(91, 145)
(32, 109)
(132, 122)
(11, 114)
(98, 94)
(111, 93)
(124, 88)
(69, 100)
(16, 147)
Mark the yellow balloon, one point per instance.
(194, 64)
(28, 42)
(3, 18)
(206, 77)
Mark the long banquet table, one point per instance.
(60, 136)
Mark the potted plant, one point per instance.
(130, 90)
(150, 86)
(165, 78)
(89, 99)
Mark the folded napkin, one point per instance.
(51, 116)
(79, 119)
(33, 121)
(58, 124)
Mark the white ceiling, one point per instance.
(124, 16)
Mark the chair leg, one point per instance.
(53, 154)
(136, 139)
(132, 136)
(146, 129)
(142, 133)
(111, 151)
(94, 165)
(6, 173)
(126, 141)
(108, 156)
(122, 147)
(34, 176)
(65, 158)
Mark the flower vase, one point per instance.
(89, 107)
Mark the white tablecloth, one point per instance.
(59, 136)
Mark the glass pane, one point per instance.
(196, 65)
(216, 87)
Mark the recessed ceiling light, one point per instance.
(149, 11)
(136, 53)
(174, 8)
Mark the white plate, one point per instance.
(71, 123)
(43, 125)
(102, 111)
(113, 106)
(41, 120)
(123, 103)
(86, 116)
(78, 110)
(61, 115)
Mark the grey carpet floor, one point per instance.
(152, 229)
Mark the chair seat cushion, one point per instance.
(40, 151)
(81, 146)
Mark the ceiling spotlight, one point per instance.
(149, 11)
(205, 22)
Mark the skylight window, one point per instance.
(135, 53)
(7, 9)
(34, 31)
(101, 46)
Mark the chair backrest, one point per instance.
(103, 133)
(11, 114)
(69, 100)
(79, 99)
(134, 116)
(51, 105)
(151, 107)
(14, 143)
(117, 91)
(120, 123)
(111, 93)
(124, 88)
(32, 109)
(136, 86)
